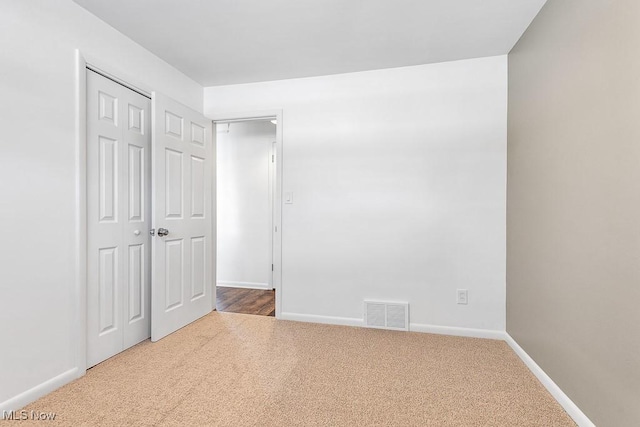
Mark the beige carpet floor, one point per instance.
(239, 370)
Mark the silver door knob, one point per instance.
(162, 232)
(137, 232)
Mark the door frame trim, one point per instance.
(277, 196)
(79, 290)
(79, 323)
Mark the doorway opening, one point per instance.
(247, 215)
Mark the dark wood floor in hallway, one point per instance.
(246, 301)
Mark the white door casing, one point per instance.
(183, 261)
(277, 189)
(272, 216)
(118, 218)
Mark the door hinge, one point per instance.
(271, 267)
(273, 158)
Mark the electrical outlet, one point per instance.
(463, 296)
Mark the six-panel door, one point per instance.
(118, 218)
(183, 260)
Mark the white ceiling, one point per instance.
(219, 42)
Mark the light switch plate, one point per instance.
(288, 197)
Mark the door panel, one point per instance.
(197, 187)
(174, 184)
(174, 283)
(136, 183)
(136, 282)
(198, 267)
(118, 218)
(137, 199)
(108, 185)
(108, 283)
(182, 203)
(104, 237)
(108, 105)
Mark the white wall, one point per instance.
(244, 206)
(398, 178)
(37, 183)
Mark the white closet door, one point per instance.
(137, 224)
(183, 253)
(118, 218)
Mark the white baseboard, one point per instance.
(571, 408)
(246, 285)
(327, 320)
(34, 393)
(457, 331)
(413, 327)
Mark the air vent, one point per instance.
(386, 315)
